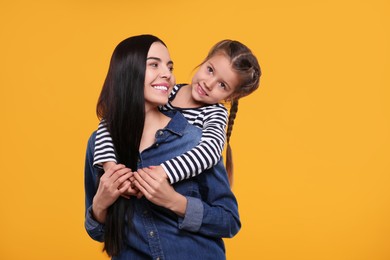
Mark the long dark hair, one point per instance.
(245, 63)
(122, 105)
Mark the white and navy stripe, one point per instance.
(104, 147)
(211, 119)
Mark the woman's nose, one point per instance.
(166, 73)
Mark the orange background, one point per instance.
(311, 147)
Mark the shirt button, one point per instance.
(151, 233)
(160, 133)
(157, 145)
(139, 160)
(158, 258)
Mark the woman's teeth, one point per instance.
(160, 87)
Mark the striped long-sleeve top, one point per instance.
(210, 118)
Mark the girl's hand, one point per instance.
(158, 171)
(108, 165)
(156, 188)
(112, 184)
(132, 190)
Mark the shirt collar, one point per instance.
(178, 122)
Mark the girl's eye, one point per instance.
(171, 69)
(210, 69)
(222, 85)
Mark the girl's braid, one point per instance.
(229, 156)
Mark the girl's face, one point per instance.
(159, 79)
(214, 81)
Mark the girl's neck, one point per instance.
(184, 98)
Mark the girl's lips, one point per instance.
(200, 90)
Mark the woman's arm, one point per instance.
(99, 196)
(206, 154)
(214, 213)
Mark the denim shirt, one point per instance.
(156, 232)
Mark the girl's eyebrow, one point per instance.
(158, 59)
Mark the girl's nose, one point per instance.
(209, 83)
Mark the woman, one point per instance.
(188, 219)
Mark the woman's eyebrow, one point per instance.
(153, 58)
(158, 59)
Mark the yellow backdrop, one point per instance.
(311, 146)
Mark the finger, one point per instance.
(131, 191)
(124, 187)
(144, 179)
(125, 196)
(122, 180)
(155, 174)
(131, 179)
(112, 170)
(149, 172)
(139, 195)
(119, 173)
(142, 190)
(121, 185)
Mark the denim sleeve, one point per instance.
(216, 213)
(94, 229)
(193, 216)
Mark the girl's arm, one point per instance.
(202, 157)
(104, 148)
(206, 154)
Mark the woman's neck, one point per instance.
(154, 120)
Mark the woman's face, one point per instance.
(159, 79)
(214, 81)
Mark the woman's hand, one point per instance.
(132, 190)
(113, 183)
(156, 188)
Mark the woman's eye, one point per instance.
(154, 65)
(171, 69)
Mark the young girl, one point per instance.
(229, 72)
